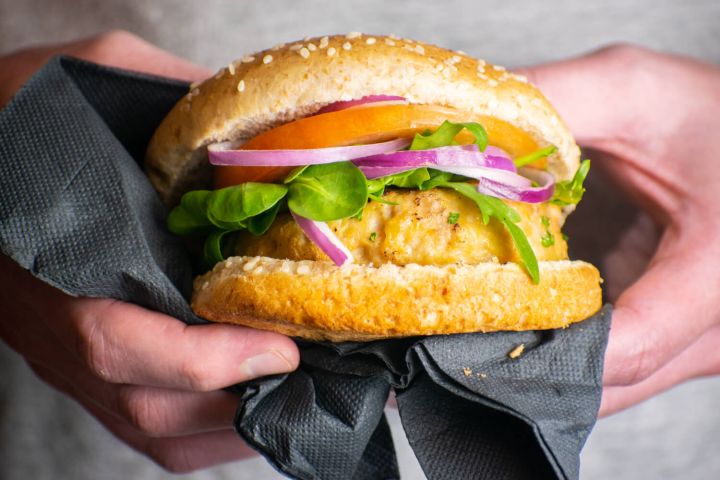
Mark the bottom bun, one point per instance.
(320, 301)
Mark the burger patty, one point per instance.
(435, 227)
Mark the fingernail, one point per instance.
(268, 363)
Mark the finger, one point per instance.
(702, 358)
(184, 453)
(661, 314)
(601, 94)
(117, 48)
(154, 412)
(177, 454)
(122, 49)
(125, 343)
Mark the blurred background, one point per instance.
(672, 436)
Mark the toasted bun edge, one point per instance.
(319, 301)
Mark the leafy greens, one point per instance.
(339, 190)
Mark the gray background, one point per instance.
(675, 435)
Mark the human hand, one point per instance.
(149, 378)
(651, 120)
(116, 48)
(153, 381)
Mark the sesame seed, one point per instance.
(460, 52)
(347, 46)
(331, 52)
(311, 47)
(307, 39)
(195, 91)
(304, 52)
(241, 86)
(499, 68)
(220, 73)
(296, 47)
(483, 76)
(408, 40)
(521, 78)
(420, 49)
(352, 35)
(194, 85)
(456, 59)
(481, 64)
(408, 47)
(278, 47)
(493, 83)
(324, 42)
(371, 41)
(248, 59)
(394, 37)
(267, 59)
(389, 42)
(231, 68)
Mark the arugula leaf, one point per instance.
(328, 192)
(570, 192)
(437, 178)
(536, 155)
(230, 208)
(453, 218)
(445, 135)
(190, 217)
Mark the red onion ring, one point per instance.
(517, 192)
(321, 235)
(218, 154)
(469, 156)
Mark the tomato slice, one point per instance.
(367, 125)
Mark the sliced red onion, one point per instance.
(336, 106)
(322, 235)
(469, 156)
(219, 155)
(518, 192)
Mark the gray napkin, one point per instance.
(77, 211)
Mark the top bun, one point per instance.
(275, 86)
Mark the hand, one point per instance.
(651, 119)
(116, 48)
(150, 379)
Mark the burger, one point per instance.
(356, 187)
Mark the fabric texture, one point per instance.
(78, 213)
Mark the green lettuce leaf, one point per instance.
(570, 192)
(328, 192)
(445, 134)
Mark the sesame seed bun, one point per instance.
(319, 301)
(314, 299)
(263, 90)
